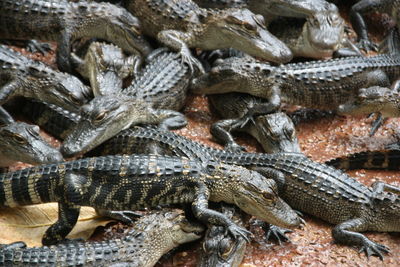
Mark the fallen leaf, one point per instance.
(29, 223)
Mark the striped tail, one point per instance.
(29, 186)
(380, 160)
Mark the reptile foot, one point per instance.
(237, 231)
(372, 248)
(191, 61)
(234, 148)
(277, 233)
(126, 216)
(34, 46)
(367, 45)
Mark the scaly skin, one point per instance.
(20, 141)
(105, 66)
(21, 76)
(64, 22)
(164, 81)
(320, 35)
(308, 186)
(316, 84)
(132, 182)
(365, 6)
(275, 132)
(106, 116)
(152, 236)
(181, 24)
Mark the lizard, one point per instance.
(21, 76)
(151, 236)
(20, 141)
(182, 24)
(131, 182)
(64, 22)
(315, 84)
(275, 132)
(316, 32)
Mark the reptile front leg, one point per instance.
(359, 24)
(206, 215)
(221, 131)
(174, 39)
(63, 52)
(170, 119)
(67, 217)
(345, 233)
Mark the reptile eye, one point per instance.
(233, 20)
(249, 27)
(268, 196)
(19, 139)
(259, 19)
(74, 99)
(101, 116)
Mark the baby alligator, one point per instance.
(64, 22)
(152, 236)
(139, 181)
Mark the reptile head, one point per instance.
(120, 27)
(373, 99)
(20, 141)
(276, 133)
(243, 30)
(163, 231)
(322, 34)
(254, 194)
(61, 89)
(101, 119)
(236, 75)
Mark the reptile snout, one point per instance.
(54, 157)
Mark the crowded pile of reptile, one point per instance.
(123, 72)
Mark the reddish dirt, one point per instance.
(321, 140)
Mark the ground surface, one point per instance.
(321, 140)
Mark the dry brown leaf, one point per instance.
(29, 223)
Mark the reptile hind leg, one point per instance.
(346, 233)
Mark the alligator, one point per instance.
(375, 99)
(180, 24)
(307, 186)
(275, 132)
(105, 66)
(151, 236)
(317, 32)
(20, 141)
(21, 76)
(365, 6)
(105, 116)
(219, 249)
(316, 84)
(163, 82)
(64, 22)
(131, 182)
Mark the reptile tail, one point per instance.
(381, 160)
(28, 186)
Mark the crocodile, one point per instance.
(21, 76)
(105, 116)
(180, 24)
(365, 6)
(64, 22)
(105, 66)
(315, 84)
(20, 141)
(316, 32)
(151, 236)
(131, 182)
(275, 132)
